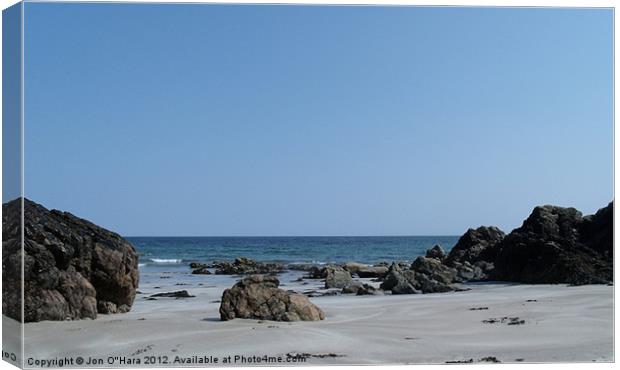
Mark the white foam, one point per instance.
(163, 260)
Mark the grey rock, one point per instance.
(258, 297)
(367, 289)
(337, 277)
(434, 269)
(400, 281)
(352, 288)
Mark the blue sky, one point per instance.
(308, 120)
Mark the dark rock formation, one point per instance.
(372, 272)
(353, 267)
(365, 271)
(479, 271)
(175, 294)
(337, 277)
(359, 288)
(301, 266)
(258, 297)
(476, 245)
(246, 266)
(400, 281)
(596, 231)
(436, 252)
(434, 269)
(314, 293)
(316, 272)
(196, 265)
(72, 268)
(201, 271)
(352, 288)
(426, 275)
(367, 289)
(558, 245)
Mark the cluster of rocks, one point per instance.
(425, 275)
(258, 297)
(345, 272)
(558, 245)
(240, 266)
(554, 245)
(342, 277)
(72, 269)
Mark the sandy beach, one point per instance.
(508, 322)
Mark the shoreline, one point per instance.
(560, 323)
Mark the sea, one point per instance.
(175, 253)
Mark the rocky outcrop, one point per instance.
(352, 288)
(353, 267)
(359, 288)
(436, 252)
(367, 289)
(246, 266)
(596, 231)
(425, 275)
(400, 281)
(258, 297)
(337, 277)
(476, 245)
(72, 267)
(434, 270)
(558, 245)
(479, 271)
(316, 272)
(365, 271)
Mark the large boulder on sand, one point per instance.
(72, 267)
(558, 245)
(337, 277)
(258, 297)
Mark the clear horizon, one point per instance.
(316, 120)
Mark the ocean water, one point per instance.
(172, 253)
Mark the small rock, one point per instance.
(490, 359)
(201, 271)
(176, 294)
